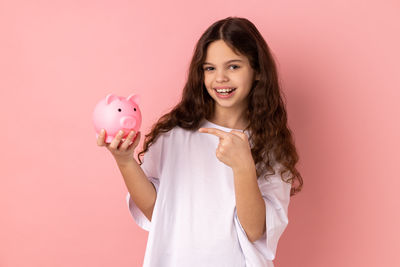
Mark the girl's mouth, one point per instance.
(225, 94)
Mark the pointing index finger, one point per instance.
(214, 131)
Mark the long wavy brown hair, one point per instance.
(272, 139)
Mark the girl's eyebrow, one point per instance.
(232, 60)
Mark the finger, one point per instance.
(117, 139)
(214, 131)
(128, 140)
(101, 137)
(135, 142)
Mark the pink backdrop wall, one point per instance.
(62, 198)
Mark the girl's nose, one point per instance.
(221, 76)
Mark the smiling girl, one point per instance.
(219, 169)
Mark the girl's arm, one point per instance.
(142, 191)
(250, 205)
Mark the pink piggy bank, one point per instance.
(114, 113)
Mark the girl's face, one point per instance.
(224, 68)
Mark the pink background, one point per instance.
(62, 198)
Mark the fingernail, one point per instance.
(121, 132)
(102, 131)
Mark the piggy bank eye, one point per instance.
(134, 109)
(119, 110)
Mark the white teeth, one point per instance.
(224, 90)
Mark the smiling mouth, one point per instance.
(224, 92)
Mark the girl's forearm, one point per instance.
(250, 205)
(141, 190)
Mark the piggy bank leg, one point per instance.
(109, 139)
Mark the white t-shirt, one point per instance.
(194, 221)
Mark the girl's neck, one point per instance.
(230, 121)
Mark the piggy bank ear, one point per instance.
(110, 98)
(134, 98)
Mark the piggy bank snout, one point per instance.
(128, 122)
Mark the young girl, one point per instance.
(214, 186)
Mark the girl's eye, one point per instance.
(236, 67)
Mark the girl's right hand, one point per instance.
(122, 152)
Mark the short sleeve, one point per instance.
(151, 167)
(276, 195)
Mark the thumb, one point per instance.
(237, 133)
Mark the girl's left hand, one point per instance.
(233, 148)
